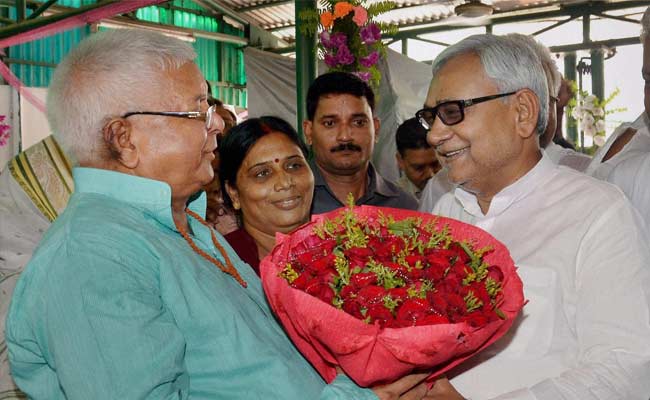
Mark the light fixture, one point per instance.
(185, 36)
(473, 9)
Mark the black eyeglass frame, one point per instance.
(206, 116)
(462, 104)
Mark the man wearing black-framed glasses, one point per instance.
(486, 108)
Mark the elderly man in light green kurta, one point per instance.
(130, 295)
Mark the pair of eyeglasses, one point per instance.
(213, 121)
(451, 112)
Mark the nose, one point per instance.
(284, 182)
(344, 133)
(439, 133)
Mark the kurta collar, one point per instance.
(150, 195)
(534, 178)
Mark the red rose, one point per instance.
(301, 281)
(377, 312)
(438, 303)
(371, 294)
(460, 253)
(358, 256)
(348, 291)
(363, 279)
(321, 263)
(439, 259)
(475, 319)
(413, 260)
(352, 307)
(431, 319)
(495, 273)
(321, 290)
(412, 310)
(398, 293)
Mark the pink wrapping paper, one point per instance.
(371, 355)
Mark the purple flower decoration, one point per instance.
(333, 40)
(330, 60)
(326, 40)
(364, 76)
(5, 132)
(339, 39)
(344, 56)
(370, 34)
(370, 60)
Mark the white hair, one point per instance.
(645, 24)
(510, 64)
(107, 75)
(553, 76)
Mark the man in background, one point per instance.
(416, 158)
(342, 129)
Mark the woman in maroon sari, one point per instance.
(267, 180)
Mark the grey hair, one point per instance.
(510, 64)
(553, 76)
(107, 75)
(645, 24)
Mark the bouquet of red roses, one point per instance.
(382, 292)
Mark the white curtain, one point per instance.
(271, 84)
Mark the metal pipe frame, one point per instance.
(592, 7)
(30, 24)
(41, 9)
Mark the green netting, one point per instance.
(221, 63)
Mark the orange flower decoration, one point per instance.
(342, 9)
(326, 19)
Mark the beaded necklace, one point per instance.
(228, 268)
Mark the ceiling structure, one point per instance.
(278, 16)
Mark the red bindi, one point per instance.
(277, 160)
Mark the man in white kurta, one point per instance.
(581, 249)
(584, 263)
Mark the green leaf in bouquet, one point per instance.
(342, 267)
(472, 302)
(390, 303)
(493, 287)
(386, 277)
(288, 273)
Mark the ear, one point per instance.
(400, 161)
(117, 134)
(377, 124)
(528, 109)
(234, 195)
(306, 129)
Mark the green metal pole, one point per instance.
(306, 64)
(21, 10)
(405, 47)
(598, 73)
(570, 63)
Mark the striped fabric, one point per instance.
(44, 172)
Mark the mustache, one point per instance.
(346, 147)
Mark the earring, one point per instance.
(235, 205)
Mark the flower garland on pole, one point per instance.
(5, 131)
(590, 112)
(350, 37)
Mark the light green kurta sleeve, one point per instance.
(116, 305)
(106, 333)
